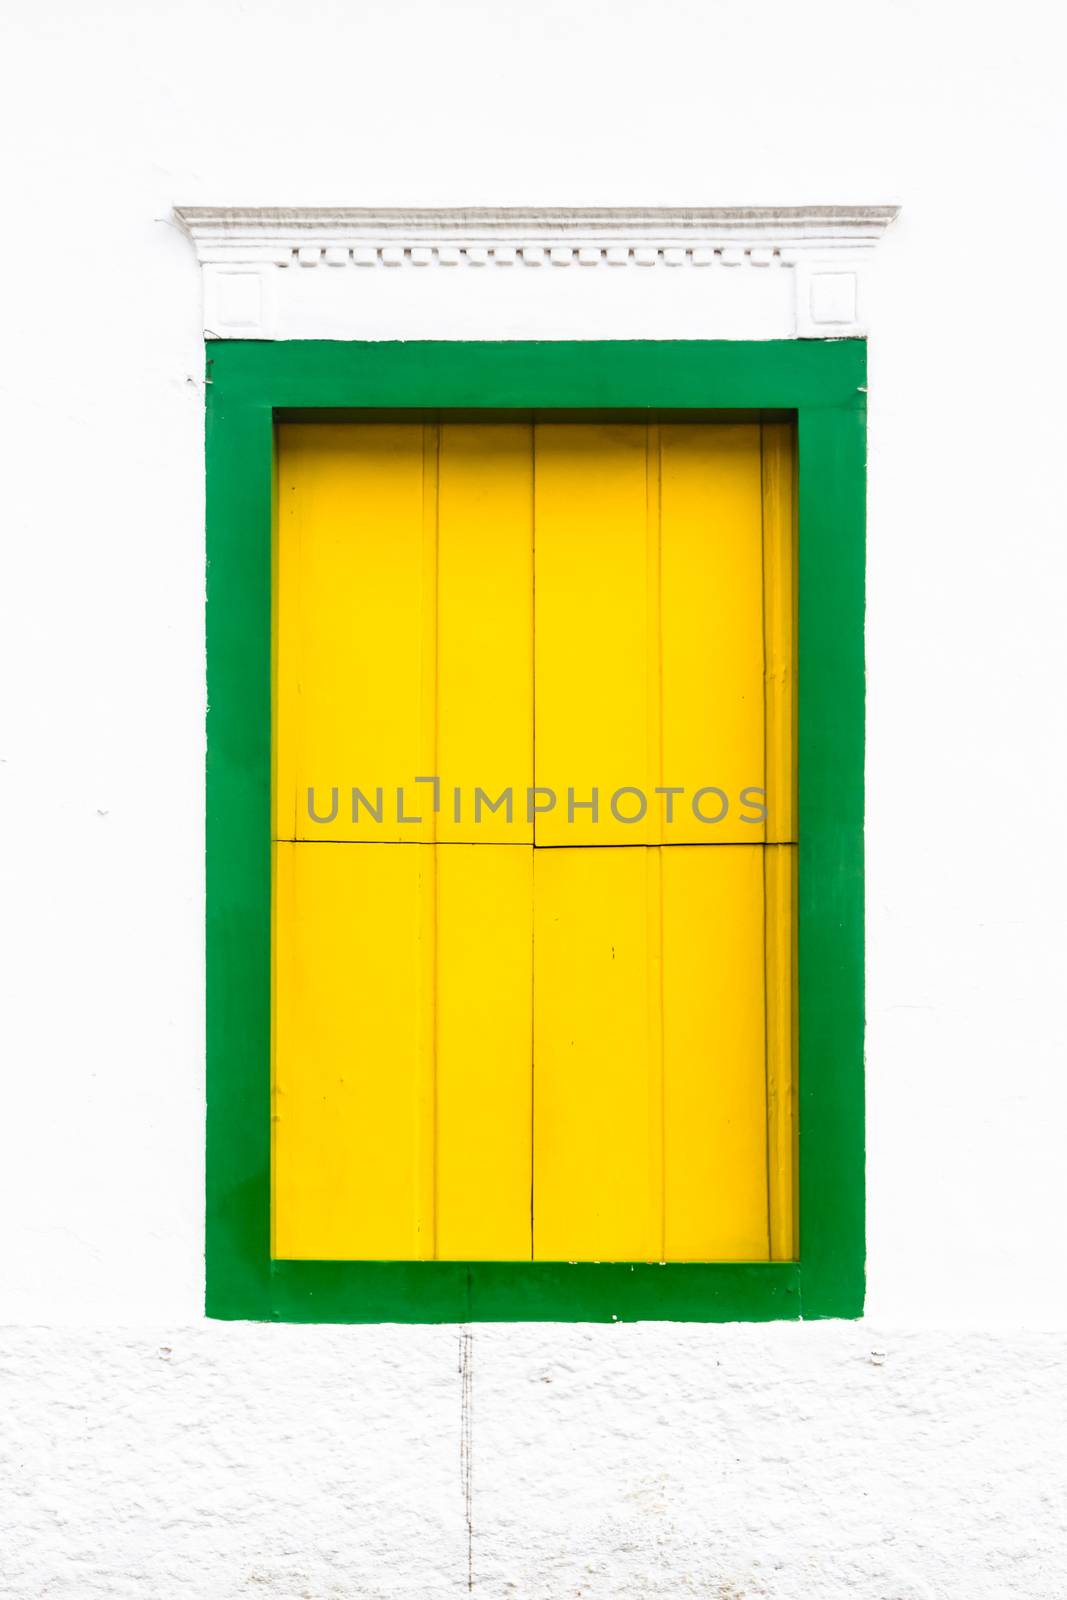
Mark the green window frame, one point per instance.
(823, 384)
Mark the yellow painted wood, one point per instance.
(485, 629)
(650, 1090)
(656, 828)
(712, 629)
(591, 626)
(484, 1052)
(597, 1194)
(402, 1052)
(283, 776)
(649, 629)
(780, 865)
(779, 606)
(650, 560)
(425, 960)
(426, 805)
(355, 627)
(655, 1036)
(575, 605)
(715, 1108)
(349, 1103)
(780, 593)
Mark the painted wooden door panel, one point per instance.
(711, 1013)
(485, 730)
(595, 727)
(597, 1132)
(402, 1066)
(355, 628)
(650, 1093)
(353, 1073)
(496, 1039)
(649, 631)
(404, 629)
(711, 630)
(484, 1086)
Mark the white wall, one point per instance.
(145, 1452)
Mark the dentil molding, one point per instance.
(714, 272)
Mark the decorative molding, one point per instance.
(314, 273)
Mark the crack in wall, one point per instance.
(466, 1461)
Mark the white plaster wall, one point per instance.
(144, 1452)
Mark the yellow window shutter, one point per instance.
(506, 1028)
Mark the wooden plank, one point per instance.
(485, 630)
(656, 828)
(712, 651)
(779, 606)
(349, 1112)
(780, 864)
(354, 619)
(780, 858)
(425, 1065)
(591, 627)
(597, 1193)
(283, 701)
(484, 1052)
(425, 805)
(715, 1116)
(655, 1035)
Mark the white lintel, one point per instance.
(500, 273)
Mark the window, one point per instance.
(505, 952)
(523, 1010)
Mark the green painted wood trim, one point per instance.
(824, 385)
(830, 748)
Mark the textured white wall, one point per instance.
(729, 1462)
(649, 1460)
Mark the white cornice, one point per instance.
(257, 284)
(210, 225)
